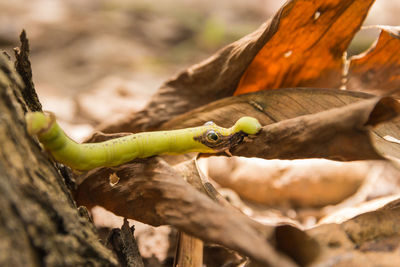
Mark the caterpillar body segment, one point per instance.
(208, 138)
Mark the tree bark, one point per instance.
(39, 222)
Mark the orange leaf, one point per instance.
(377, 70)
(307, 48)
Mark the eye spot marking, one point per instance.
(212, 136)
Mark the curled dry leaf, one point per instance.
(340, 134)
(301, 45)
(369, 239)
(152, 192)
(345, 211)
(371, 225)
(378, 69)
(293, 184)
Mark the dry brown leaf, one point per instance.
(369, 239)
(307, 49)
(340, 134)
(267, 106)
(316, 33)
(345, 211)
(292, 184)
(377, 70)
(153, 192)
(372, 225)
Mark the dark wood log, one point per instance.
(39, 222)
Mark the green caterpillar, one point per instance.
(208, 138)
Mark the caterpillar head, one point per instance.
(248, 125)
(219, 140)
